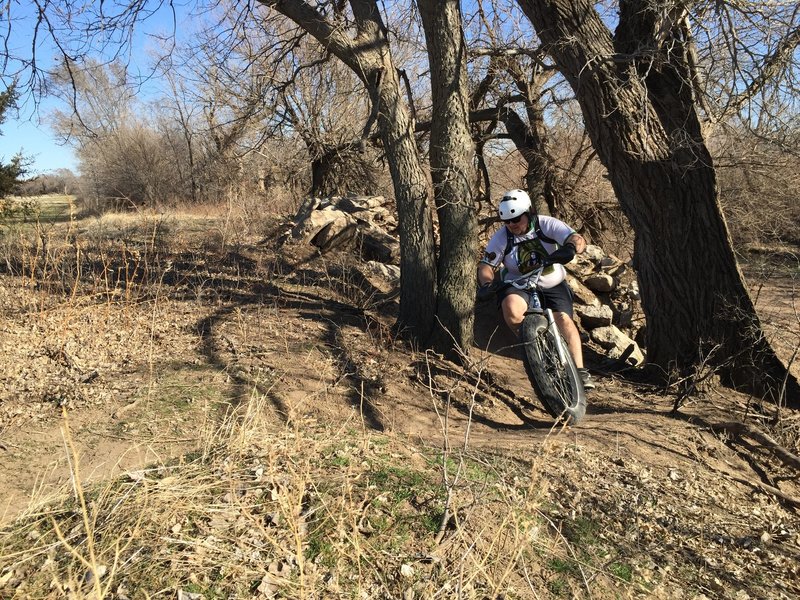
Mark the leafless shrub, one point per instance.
(758, 184)
(132, 167)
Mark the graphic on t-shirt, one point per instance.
(529, 253)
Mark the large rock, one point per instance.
(600, 282)
(581, 266)
(582, 294)
(610, 336)
(320, 225)
(617, 344)
(612, 265)
(351, 223)
(336, 234)
(368, 209)
(373, 243)
(593, 253)
(595, 316)
(633, 354)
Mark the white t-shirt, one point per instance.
(526, 247)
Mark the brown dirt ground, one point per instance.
(141, 379)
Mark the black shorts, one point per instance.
(557, 298)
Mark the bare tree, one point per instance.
(451, 158)
(124, 159)
(363, 45)
(635, 88)
(518, 95)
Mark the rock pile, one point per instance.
(606, 293)
(607, 303)
(361, 224)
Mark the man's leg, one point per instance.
(570, 334)
(514, 307)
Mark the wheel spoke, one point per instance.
(555, 369)
(556, 384)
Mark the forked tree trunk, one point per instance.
(368, 55)
(452, 170)
(641, 117)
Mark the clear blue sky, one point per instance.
(36, 143)
(23, 131)
(28, 132)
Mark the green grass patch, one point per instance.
(340, 461)
(559, 587)
(621, 571)
(564, 566)
(582, 532)
(36, 209)
(398, 483)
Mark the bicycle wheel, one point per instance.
(558, 385)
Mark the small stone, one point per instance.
(98, 572)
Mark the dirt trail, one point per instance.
(160, 383)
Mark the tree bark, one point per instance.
(540, 176)
(640, 113)
(452, 171)
(368, 55)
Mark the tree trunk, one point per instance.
(415, 219)
(540, 176)
(452, 170)
(368, 55)
(641, 116)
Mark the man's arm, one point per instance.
(485, 274)
(576, 239)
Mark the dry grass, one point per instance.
(282, 503)
(301, 511)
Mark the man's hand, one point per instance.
(577, 240)
(563, 255)
(485, 292)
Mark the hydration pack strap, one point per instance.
(510, 243)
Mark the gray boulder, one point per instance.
(600, 282)
(595, 316)
(617, 343)
(582, 294)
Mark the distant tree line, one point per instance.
(60, 181)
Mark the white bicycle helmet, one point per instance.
(513, 204)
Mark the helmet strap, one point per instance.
(531, 223)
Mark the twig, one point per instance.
(787, 458)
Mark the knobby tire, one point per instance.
(558, 386)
